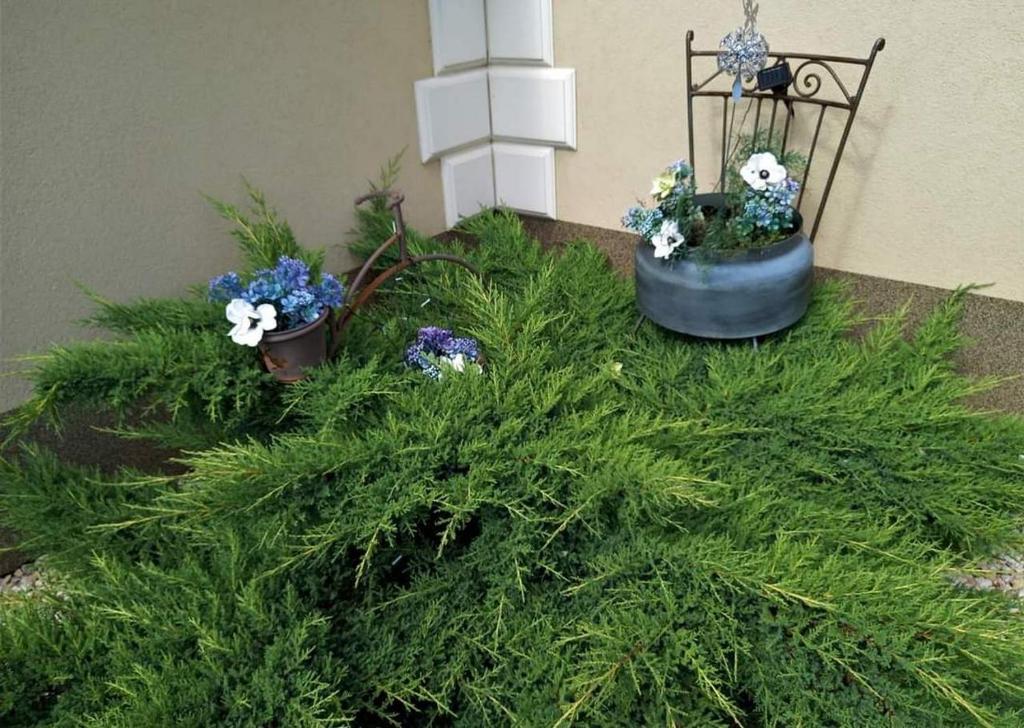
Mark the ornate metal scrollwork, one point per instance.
(806, 89)
(812, 81)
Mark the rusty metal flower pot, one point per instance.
(733, 295)
(287, 354)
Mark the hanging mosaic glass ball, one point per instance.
(743, 53)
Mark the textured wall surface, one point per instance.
(115, 116)
(930, 190)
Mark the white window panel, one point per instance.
(468, 181)
(452, 112)
(519, 31)
(534, 105)
(458, 34)
(524, 178)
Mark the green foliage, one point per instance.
(748, 144)
(605, 528)
(194, 376)
(262, 236)
(155, 314)
(374, 220)
(172, 367)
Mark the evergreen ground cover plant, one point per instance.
(604, 528)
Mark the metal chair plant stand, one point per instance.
(755, 292)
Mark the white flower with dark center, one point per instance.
(667, 240)
(762, 170)
(249, 322)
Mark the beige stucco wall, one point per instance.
(115, 115)
(930, 190)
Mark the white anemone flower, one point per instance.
(667, 240)
(249, 322)
(762, 170)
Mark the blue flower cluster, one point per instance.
(680, 168)
(287, 287)
(433, 343)
(675, 203)
(645, 221)
(769, 210)
(226, 287)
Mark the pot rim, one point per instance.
(274, 337)
(745, 255)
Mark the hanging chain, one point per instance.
(750, 9)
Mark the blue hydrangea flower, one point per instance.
(287, 287)
(263, 289)
(330, 291)
(301, 304)
(681, 168)
(416, 358)
(291, 273)
(435, 338)
(435, 346)
(769, 210)
(465, 346)
(646, 222)
(225, 287)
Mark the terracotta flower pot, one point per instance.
(734, 295)
(287, 354)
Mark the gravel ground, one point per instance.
(27, 579)
(1005, 574)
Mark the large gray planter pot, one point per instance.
(738, 296)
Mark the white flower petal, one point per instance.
(458, 362)
(749, 175)
(665, 250)
(267, 316)
(250, 337)
(239, 331)
(667, 240)
(776, 174)
(762, 170)
(239, 310)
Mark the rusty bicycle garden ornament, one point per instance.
(358, 293)
(289, 310)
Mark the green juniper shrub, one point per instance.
(262, 236)
(605, 528)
